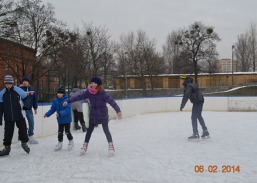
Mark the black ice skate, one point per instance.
(5, 151)
(77, 127)
(25, 147)
(194, 136)
(205, 134)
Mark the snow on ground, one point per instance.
(151, 148)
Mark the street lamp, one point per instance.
(232, 64)
(125, 74)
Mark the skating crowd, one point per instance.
(16, 103)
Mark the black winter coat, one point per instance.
(12, 103)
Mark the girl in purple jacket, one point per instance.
(98, 99)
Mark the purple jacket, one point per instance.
(99, 110)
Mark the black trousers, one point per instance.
(91, 129)
(61, 128)
(9, 129)
(78, 116)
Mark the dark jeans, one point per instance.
(61, 128)
(197, 114)
(91, 129)
(78, 116)
(9, 129)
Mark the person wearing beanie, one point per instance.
(98, 99)
(193, 93)
(13, 102)
(31, 92)
(77, 110)
(63, 114)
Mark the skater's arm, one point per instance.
(51, 110)
(1, 112)
(185, 97)
(82, 96)
(112, 103)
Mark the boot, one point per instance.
(5, 151)
(111, 149)
(84, 128)
(84, 148)
(32, 140)
(58, 147)
(77, 127)
(205, 134)
(25, 147)
(70, 145)
(194, 136)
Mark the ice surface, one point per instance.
(151, 148)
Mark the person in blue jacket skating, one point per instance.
(64, 119)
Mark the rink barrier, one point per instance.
(131, 107)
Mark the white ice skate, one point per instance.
(83, 150)
(70, 145)
(111, 149)
(58, 147)
(32, 140)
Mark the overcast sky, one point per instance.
(158, 18)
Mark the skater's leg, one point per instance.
(60, 132)
(67, 131)
(30, 118)
(194, 119)
(22, 126)
(81, 118)
(8, 132)
(89, 131)
(107, 132)
(199, 108)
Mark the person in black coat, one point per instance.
(192, 92)
(13, 102)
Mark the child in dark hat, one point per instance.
(63, 114)
(98, 99)
(31, 92)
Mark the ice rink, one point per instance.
(150, 148)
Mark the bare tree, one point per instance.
(243, 53)
(198, 41)
(98, 51)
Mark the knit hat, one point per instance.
(61, 90)
(8, 79)
(96, 80)
(183, 76)
(25, 78)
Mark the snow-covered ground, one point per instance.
(151, 148)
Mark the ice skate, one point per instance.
(70, 145)
(84, 128)
(77, 127)
(32, 140)
(58, 147)
(111, 149)
(83, 150)
(5, 151)
(205, 134)
(25, 147)
(194, 137)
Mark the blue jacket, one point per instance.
(31, 92)
(12, 103)
(99, 110)
(64, 112)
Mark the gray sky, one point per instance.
(158, 18)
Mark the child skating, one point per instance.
(63, 114)
(98, 99)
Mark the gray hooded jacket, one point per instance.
(76, 105)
